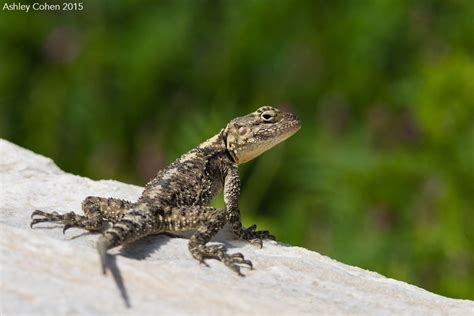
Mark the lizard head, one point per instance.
(251, 135)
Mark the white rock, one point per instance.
(44, 272)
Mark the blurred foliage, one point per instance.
(380, 176)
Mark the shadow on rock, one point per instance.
(116, 274)
(145, 247)
(140, 250)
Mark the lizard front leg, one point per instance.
(210, 220)
(231, 200)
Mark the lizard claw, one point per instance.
(255, 237)
(234, 265)
(252, 228)
(66, 227)
(236, 269)
(38, 220)
(237, 255)
(43, 217)
(232, 261)
(203, 262)
(241, 260)
(36, 212)
(257, 242)
(68, 220)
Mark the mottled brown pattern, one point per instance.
(177, 198)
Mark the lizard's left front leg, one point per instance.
(210, 221)
(231, 200)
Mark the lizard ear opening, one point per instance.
(230, 141)
(224, 135)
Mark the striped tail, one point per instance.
(104, 243)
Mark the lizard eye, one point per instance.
(268, 116)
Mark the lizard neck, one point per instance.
(215, 143)
(218, 143)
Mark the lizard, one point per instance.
(178, 198)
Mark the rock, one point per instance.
(44, 272)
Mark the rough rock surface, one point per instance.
(44, 272)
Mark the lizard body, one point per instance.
(178, 198)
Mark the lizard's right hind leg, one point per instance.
(97, 211)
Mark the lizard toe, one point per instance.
(256, 242)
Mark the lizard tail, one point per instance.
(104, 243)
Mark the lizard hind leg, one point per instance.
(69, 220)
(97, 211)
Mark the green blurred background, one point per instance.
(380, 176)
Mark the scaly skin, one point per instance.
(177, 198)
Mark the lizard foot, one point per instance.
(69, 220)
(232, 261)
(255, 237)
